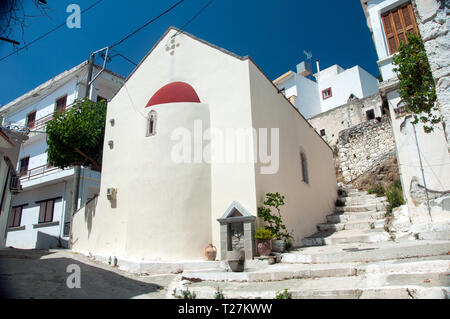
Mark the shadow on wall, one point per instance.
(25, 275)
(89, 213)
(46, 241)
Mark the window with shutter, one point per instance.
(24, 166)
(398, 23)
(61, 104)
(31, 119)
(15, 217)
(46, 211)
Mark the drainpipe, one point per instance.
(2, 201)
(63, 215)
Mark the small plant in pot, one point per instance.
(274, 221)
(264, 238)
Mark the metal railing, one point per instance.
(38, 172)
(38, 124)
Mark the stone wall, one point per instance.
(363, 147)
(434, 23)
(346, 116)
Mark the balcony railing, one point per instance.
(41, 123)
(38, 172)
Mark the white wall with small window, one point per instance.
(332, 88)
(40, 220)
(336, 88)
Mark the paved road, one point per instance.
(35, 274)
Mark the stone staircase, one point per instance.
(351, 257)
(358, 218)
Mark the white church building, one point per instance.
(195, 139)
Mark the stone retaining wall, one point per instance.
(346, 116)
(363, 147)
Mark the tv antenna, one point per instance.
(309, 55)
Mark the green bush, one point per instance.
(377, 189)
(284, 295)
(274, 221)
(263, 234)
(219, 294)
(185, 294)
(394, 194)
(416, 83)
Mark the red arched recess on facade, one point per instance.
(175, 92)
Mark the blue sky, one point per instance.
(273, 32)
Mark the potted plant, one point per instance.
(264, 238)
(274, 221)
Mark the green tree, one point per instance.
(416, 83)
(76, 136)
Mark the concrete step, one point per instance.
(357, 194)
(379, 286)
(365, 224)
(355, 216)
(344, 253)
(357, 236)
(359, 201)
(346, 237)
(261, 272)
(435, 235)
(361, 208)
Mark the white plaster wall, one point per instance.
(329, 73)
(290, 85)
(387, 69)
(306, 205)
(308, 99)
(369, 83)
(343, 85)
(436, 160)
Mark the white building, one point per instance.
(10, 142)
(44, 205)
(389, 22)
(328, 89)
(162, 201)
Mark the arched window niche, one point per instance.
(151, 123)
(304, 164)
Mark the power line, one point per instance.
(194, 17)
(282, 6)
(146, 24)
(168, 10)
(124, 57)
(48, 33)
